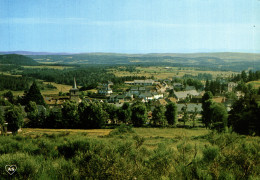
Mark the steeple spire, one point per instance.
(75, 86)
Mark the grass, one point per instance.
(125, 153)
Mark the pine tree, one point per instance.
(34, 94)
(171, 113)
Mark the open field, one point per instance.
(255, 84)
(169, 72)
(60, 88)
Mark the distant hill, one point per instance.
(17, 60)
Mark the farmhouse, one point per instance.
(146, 82)
(181, 95)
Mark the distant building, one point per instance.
(181, 95)
(146, 82)
(105, 89)
(74, 92)
(231, 86)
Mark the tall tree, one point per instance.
(171, 113)
(139, 114)
(218, 116)
(206, 112)
(92, 115)
(34, 94)
(159, 116)
(185, 116)
(1, 122)
(32, 114)
(193, 116)
(70, 114)
(14, 118)
(124, 113)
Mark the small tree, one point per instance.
(185, 116)
(159, 116)
(171, 113)
(193, 116)
(14, 118)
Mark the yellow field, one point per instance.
(169, 72)
(255, 84)
(90, 132)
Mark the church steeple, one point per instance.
(75, 86)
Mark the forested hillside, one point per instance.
(17, 60)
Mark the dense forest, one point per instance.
(14, 83)
(17, 60)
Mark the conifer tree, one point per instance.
(34, 94)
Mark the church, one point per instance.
(74, 92)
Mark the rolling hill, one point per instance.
(17, 60)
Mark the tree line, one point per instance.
(243, 117)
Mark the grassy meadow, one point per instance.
(130, 153)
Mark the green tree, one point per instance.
(171, 113)
(206, 112)
(92, 115)
(124, 113)
(1, 122)
(32, 114)
(159, 116)
(219, 116)
(14, 118)
(139, 114)
(70, 114)
(9, 95)
(54, 119)
(193, 116)
(111, 110)
(185, 116)
(34, 94)
(244, 76)
(244, 116)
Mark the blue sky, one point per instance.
(130, 26)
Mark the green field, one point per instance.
(125, 153)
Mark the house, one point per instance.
(139, 90)
(177, 85)
(231, 86)
(146, 82)
(147, 96)
(56, 100)
(190, 107)
(105, 88)
(157, 95)
(181, 95)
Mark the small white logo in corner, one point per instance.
(10, 169)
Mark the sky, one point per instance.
(130, 26)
